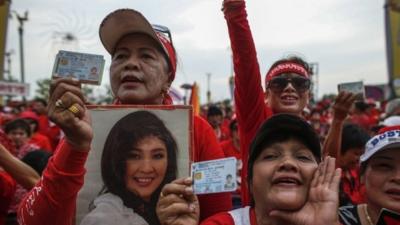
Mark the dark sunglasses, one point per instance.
(163, 30)
(279, 83)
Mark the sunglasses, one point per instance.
(164, 31)
(278, 84)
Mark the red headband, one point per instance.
(169, 49)
(287, 67)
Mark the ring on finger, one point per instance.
(73, 108)
(59, 103)
(161, 194)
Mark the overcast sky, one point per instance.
(346, 38)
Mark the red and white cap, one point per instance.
(389, 138)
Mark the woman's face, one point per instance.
(287, 100)
(282, 174)
(146, 167)
(139, 71)
(382, 180)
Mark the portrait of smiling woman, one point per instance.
(138, 159)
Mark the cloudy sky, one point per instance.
(346, 38)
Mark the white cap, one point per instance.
(391, 121)
(388, 139)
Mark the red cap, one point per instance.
(29, 115)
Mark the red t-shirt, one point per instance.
(350, 182)
(7, 189)
(230, 150)
(41, 141)
(243, 216)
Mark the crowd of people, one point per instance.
(330, 162)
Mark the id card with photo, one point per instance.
(214, 176)
(88, 68)
(356, 88)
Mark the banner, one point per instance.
(4, 8)
(392, 20)
(14, 89)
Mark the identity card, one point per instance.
(214, 176)
(356, 88)
(88, 68)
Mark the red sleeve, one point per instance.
(7, 189)
(206, 147)
(219, 219)
(249, 96)
(53, 199)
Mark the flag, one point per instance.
(195, 100)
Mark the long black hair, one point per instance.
(128, 131)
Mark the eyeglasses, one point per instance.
(279, 83)
(164, 31)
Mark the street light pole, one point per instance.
(208, 88)
(21, 20)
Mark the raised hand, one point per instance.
(323, 201)
(67, 109)
(342, 105)
(178, 205)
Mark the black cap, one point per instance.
(288, 124)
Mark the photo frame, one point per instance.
(177, 119)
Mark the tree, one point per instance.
(43, 88)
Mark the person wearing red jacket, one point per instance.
(287, 83)
(142, 69)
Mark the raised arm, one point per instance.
(249, 95)
(53, 199)
(341, 110)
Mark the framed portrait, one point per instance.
(120, 136)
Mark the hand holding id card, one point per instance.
(214, 176)
(88, 68)
(356, 88)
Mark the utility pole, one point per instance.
(208, 88)
(21, 21)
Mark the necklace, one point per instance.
(367, 215)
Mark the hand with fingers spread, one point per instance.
(322, 204)
(178, 205)
(67, 109)
(342, 105)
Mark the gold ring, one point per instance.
(73, 108)
(161, 194)
(59, 103)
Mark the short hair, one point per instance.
(122, 137)
(18, 124)
(214, 111)
(41, 100)
(37, 160)
(353, 136)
